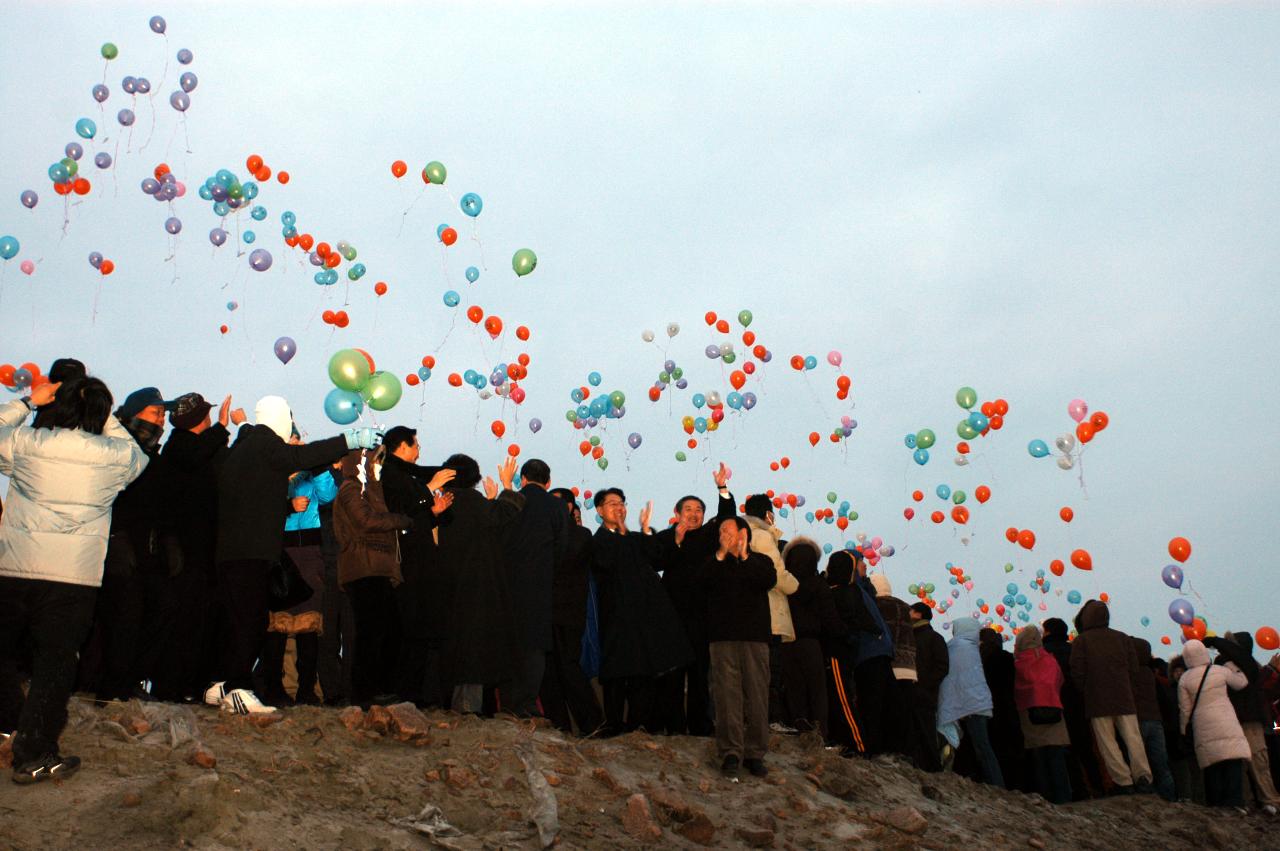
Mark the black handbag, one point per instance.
(287, 587)
(1187, 741)
(1044, 714)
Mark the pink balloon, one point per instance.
(182, 189)
(27, 267)
(968, 586)
(834, 358)
(876, 543)
(1077, 409)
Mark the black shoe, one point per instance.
(1124, 790)
(47, 767)
(756, 767)
(729, 768)
(1144, 789)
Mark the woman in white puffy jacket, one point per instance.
(1221, 748)
(64, 472)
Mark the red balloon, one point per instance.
(917, 495)
(960, 514)
(412, 379)
(1099, 420)
(748, 338)
(1197, 629)
(380, 288)
(475, 314)
(1066, 514)
(1180, 549)
(223, 329)
(654, 394)
(722, 326)
(494, 326)
(455, 380)
(797, 362)
(522, 333)
(498, 427)
(283, 176)
(988, 409)
(333, 260)
(81, 186)
(760, 352)
(909, 513)
(1267, 638)
(6, 374)
(710, 317)
(749, 368)
(995, 423)
(982, 494)
(1164, 639)
(814, 438)
(791, 500)
(523, 360)
(1027, 539)
(785, 462)
(1012, 534)
(737, 378)
(399, 168)
(448, 236)
(327, 317)
(341, 319)
(843, 382)
(428, 361)
(323, 251)
(1002, 407)
(264, 174)
(597, 452)
(63, 188)
(585, 447)
(1057, 567)
(1084, 432)
(253, 163)
(937, 517)
(1082, 559)
(773, 465)
(107, 267)
(513, 450)
(306, 240)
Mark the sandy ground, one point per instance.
(158, 776)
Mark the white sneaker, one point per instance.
(213, 694)
(1269, 809)
(241, 701)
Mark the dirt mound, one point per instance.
(160, 776)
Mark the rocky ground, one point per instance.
(158, 776)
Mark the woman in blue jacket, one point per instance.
(964, 699)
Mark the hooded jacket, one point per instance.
(897, 618)
(1103, 664)
(62, 485)
(1217, 732)
(764, 540)
(365, 529)
(964, 692)
(318, 489)
(932, 662)
(1038, 682)
(1237, 647)
(813, 609)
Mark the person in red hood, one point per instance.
(1037, 692)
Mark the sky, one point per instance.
(1041, 201)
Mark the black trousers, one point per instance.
(873, 677)
(56, 617)
(900, 717)
(137, 612)
(377, 638)
(244, 595)
(684, 697)
(419, 677)
(520, 693)
(337, 642)
(1223, 783)
(187, 664)
(629, 702)
(928, 754)
(565, 689)
(844, 725)
(804, 677)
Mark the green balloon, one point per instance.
(524, 261)
(913, 589)
(350, 252)
(602, 463)
(1008, 568)
(71, 165)
(853, 515)
(966, 397)
(349, 370)
(595, 441)
(680, 456)
(831, 496)
(966, 431)
(618, 398)
(929, 588)
(958, 497)
(925, 438)
(435, 172)
(571, 415)
(664, 378)
(729, 357)
(110, 51)
(678, 373)
(744, 318)
(383, 391)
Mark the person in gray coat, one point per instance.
(64, 477)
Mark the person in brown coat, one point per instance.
(1103, 665)
(369, 570)
(1151, 720)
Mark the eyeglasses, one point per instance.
(613, 505)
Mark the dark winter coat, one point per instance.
(864, 632)
(1144, 682)
(483, 636)
(932, 662)
(190, 510)
(813, 609)
(365, 529)
(1103, 664)
(1249, 703)
(681, 565)
(536, 545)
(570, 587)
(640, 633)
(897, 619)
(136, 519)
(253, 490)
(424, 597)
(738, 597)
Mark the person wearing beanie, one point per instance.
(932, 664)
(900, 736)
(253, 503)
(814, 617)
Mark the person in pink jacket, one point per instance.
(1207, 713)
(1037, 691)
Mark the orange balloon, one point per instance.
(494, 326)
(988, 409)
(737, 378)
(692, 443)
(81, 186)
(722, 326)
(1011, 533)
(283, 176)
(995, 423)
(985, 608)
(513, 450)
(982, 494)
(223, 329)
(455, 380)
(917, 495)
(264, 174)
(760, 352)
(522, 333)
(1197, 629)
(499, 428)
(1267, 638)
(333, 260)
(380, 288)
(842, 523)
(785, 462)
(1002, 407)
(1099, 420)
(399, 169)
(306, 240)
(475, 314)
(412, 379)
(797, 362)
(428, 361)
(585, 447)
(1057, 567)
(597, 452)
(960, 514)
(161, 170)
(1082, 559)
(448, 236)
(1180, 549)
(748, 338)
(814, 438)
(937, 517)
(1164, 639)
(1027, 539)
(523, 360)
(710, 317)
(253, 163)
(107, 267)
(1066, 514)
(1084, 432)
(654, 394)
(843, 382)
(962, 448)
(341, 319)
(323, 250)
(63, 188)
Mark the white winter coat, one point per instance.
(62, 484)
(764, 540)
(1218, 736)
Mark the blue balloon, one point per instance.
(452, 299)
(700, 425)
(1011, 588)
(8, 247)
(576, 394)
(125, 117)
(1182, 612)
(471, 204)
(910, 441)
(250, 190)
(699, 400)
(1073, 597)
(921, 456)
(944, 492)
(1146, 621)
(1037, 448)
(248, 237)
(734, 400)
(826, 548)
(584, 412)
(808, 515)
(1172, 575)
(810, 362)
(440, 229)
(86, 129)
(979, 421)
(343, 406)
(258, 213)
(288, 218)
(473, 274)
(594, 379)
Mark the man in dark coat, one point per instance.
(536, 545)
(189, 536)
(1103, 665)
(932, 664)
(1151, 720)
(846, 716)
(423, 596)
(640, 633)
(483, 636)
(565, 688)
(1082, 767)
(1005, 729)
(253, 503)
(684, 694)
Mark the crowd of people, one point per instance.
(201, 568)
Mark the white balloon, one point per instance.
(726, 348)
(962, 461)
(862, 537)
(647, 336)
(713, 398)
(1066, 442)
(673, 329)
(485, 394)
(1065, 462)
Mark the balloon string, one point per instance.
(151, 101)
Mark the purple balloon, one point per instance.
(285, 349)
(74, 150)
(260, 261)
(102, 159)
(217, 236)
(95, 259)
(712, 351)
(180, 101)
(1172, 576)
(144, 85)
(188, 81)
(150, 185)
(29, 199)
(185, 57)
(157, 24)
(634, 440)
(535, 425)
(129, 85)
(1182, 612)
(173, 225)
(101, 93)
(125, 117)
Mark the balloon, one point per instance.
(107, 267)
(1182, 612)
(399, 168)
(1037, 448)
(1172, 575)
(1267, 638)
(173, 225)
(535, 425)
(452, 299)
(634, 440)
(921, 456)
(434, 172)
(27, 267)
(965, 430)
(1027, 539)
(1099, 421)
(1057, 567)
(8, 247)
(925, 438)
(349, 370)
(157, 24)
(1081, 559)
(1065, 462)
(834, 358)
(29, 199)
(1179, 548)
(86, 129)
(383, 391)
(185, 56)
(1197, 629)
(473, 274)
(978, 421)
(645, 335)
(285, 349)
(744, 318)
(125, 117)
(342, 406)
(943, 492)
(982, 493)
(471, 204)
(448, 236)
(188, 81)
(1073, 597)
(180, 101)
(494, 326)
(110, 51)
(525, 261)
(1066, 442)
(966, 397)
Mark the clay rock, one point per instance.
(837, 784)
(459, 778)
(637, 820)
(905, 819)
(755, 837)
(378, 719)
(131, 799)
(674, 807)
(202, 758)
(605, 778)
(698, 830)
(352, 718)
(408, 723)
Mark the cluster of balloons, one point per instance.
(18, 379)
(844, 430)
(673, 328)
(1066, 442)
(102, 264)
(671, 373)
(356, 383)
(872, 548)
(595, 448)
(842, 515)
(781, 464)
(65, 173)
(164, 186)
(336, 318)
(920, 443)
(989, 417)
(923, 591)
(413, 379)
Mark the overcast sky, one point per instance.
(1041, 202)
